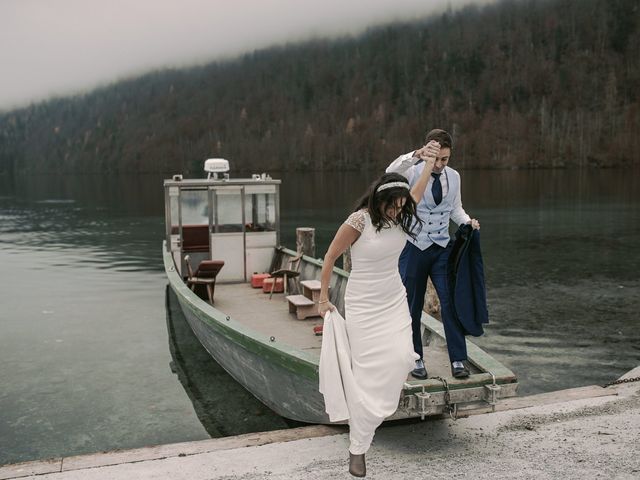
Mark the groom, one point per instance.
(427, 255)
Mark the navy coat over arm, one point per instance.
(467, 289)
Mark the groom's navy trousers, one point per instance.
(416, 266)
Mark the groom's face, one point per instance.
(442, 160)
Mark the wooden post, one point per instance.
(346, 260)
(306, 241)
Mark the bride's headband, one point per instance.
(384, 186)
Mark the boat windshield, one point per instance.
(233, 221)
(260, 209)
(194, 207)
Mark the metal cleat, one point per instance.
(491, 392)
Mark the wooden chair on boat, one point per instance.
(205, 275)
(289, 273)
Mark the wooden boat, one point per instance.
(257, 339)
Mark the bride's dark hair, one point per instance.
(373, 200)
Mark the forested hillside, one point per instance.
(521, 84)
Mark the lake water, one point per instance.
(95, 355)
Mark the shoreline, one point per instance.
(591, 420)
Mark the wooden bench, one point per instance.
(302, 306)
(311, 289)
(306, 305)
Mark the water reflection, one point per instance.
(222, 405)
(106, 229)
(129, 195)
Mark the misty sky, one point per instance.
(59, 47)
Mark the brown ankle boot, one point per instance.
(357, 467)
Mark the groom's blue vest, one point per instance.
(436, 217)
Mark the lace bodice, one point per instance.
(375, 253)
(357, 220)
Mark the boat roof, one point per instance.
(204, 182)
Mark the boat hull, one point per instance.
(284, 380)
(288, 393)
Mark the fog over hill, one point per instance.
(520, 84)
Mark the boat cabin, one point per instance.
(221, 218)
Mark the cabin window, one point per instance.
(229, 210)
(194, 206)
(260, 208)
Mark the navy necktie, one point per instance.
(436, 188)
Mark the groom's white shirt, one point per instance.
(450, 208)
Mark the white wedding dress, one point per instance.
(378, 327)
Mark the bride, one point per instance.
(378, 323)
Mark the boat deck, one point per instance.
(241, 302)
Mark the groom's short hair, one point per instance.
(440, 136)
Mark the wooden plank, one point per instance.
(300, 300)
(242, 303)
(311, 284)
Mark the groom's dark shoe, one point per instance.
(357, 466)
(419, 372)
(459, 370)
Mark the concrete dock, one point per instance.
(582, 433)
